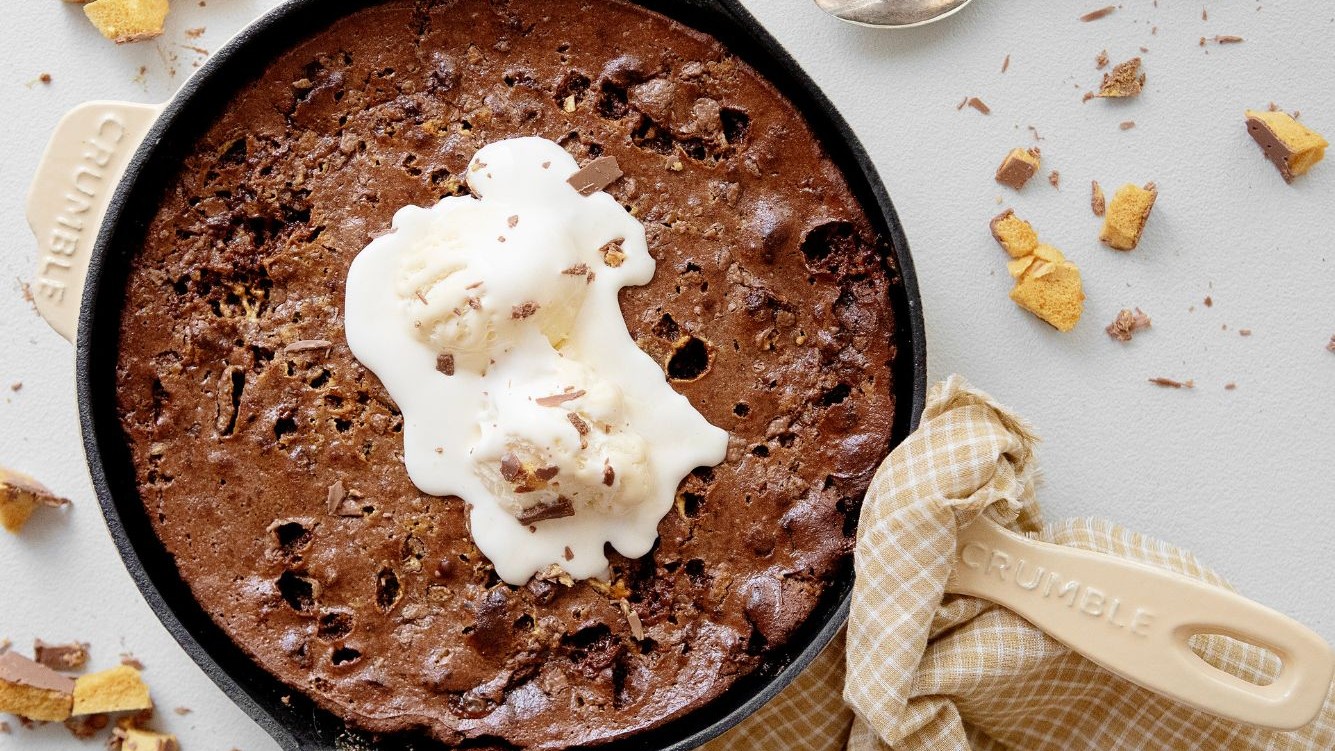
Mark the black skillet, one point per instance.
(291, 719)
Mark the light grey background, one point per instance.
(1245, 478)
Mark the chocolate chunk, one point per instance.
(445, 363)
(558, 509)
(19, 670)
(556, 400)
(511, 468)
(67, 657)
(306, 345)
(596, 175)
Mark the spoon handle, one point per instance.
(1134, 620)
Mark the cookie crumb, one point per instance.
(1127, 323)
(1169, 383)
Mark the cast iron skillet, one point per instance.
(291, 719)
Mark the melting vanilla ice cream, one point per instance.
(493, 322)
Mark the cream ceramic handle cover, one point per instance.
(75, 179)
(1135, 620)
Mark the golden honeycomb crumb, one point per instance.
(1051, 290)
(1126, 216)
(1124, 80)
(119, 689)
(1016, 236)
(20, 495)
(1018, 166)
(124, 21)
(1291, 146)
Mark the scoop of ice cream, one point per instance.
(475, 271)
(558, 442)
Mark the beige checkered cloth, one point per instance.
(928, 671)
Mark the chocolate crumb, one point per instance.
(1097, 203)
(513, 221)
(979, 105)
(1244, 332)
(559, 509)
(129, 659)
(1095, 15)
(963, 102)
(16, 386)
(1127, 124)
(1331, 346)
(445, 363)
(500, 238)
(66, 657)
(596, 175)
(632, 618)
(1209, 301)
(579, 269)
(183, 711)
(568, 554)
(1006, 64)
(524, 310)
(1227, 39)
(556, 400)
(4, 728)
(1088, 96)
(1169, 383)
(1101, 61)
(609, 475)
(305, 345)
(1205, 14)
(45, 78)
(1055, 178)
(195, 33)
(546, 165)
(1127, 323)
(87, 726)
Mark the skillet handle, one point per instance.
(83, 163)
(1134, 620)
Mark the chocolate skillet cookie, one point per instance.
(269, 459)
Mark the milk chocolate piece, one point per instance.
(1018, 167)
(1291, 146)
(556, 400)
(559, 509)
(33, 691)
(595, 175)
(1169, 383)
(1125, 80)
(67, 657)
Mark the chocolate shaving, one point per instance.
(1227, 39)
(129, 659)
(569, 554)
(632, 618)
(183, 711)
(67, 657)
(1097, 203)
(596, 175)
(524, 310)
(1169, 383)
(1006, 64)
(979, 105)
(1095, 15)
(445, 363)
(559, 509)
(306, 345)
(556, 400)
(1127, 324)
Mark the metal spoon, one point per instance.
(891, 13)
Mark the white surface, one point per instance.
(1243, 478)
